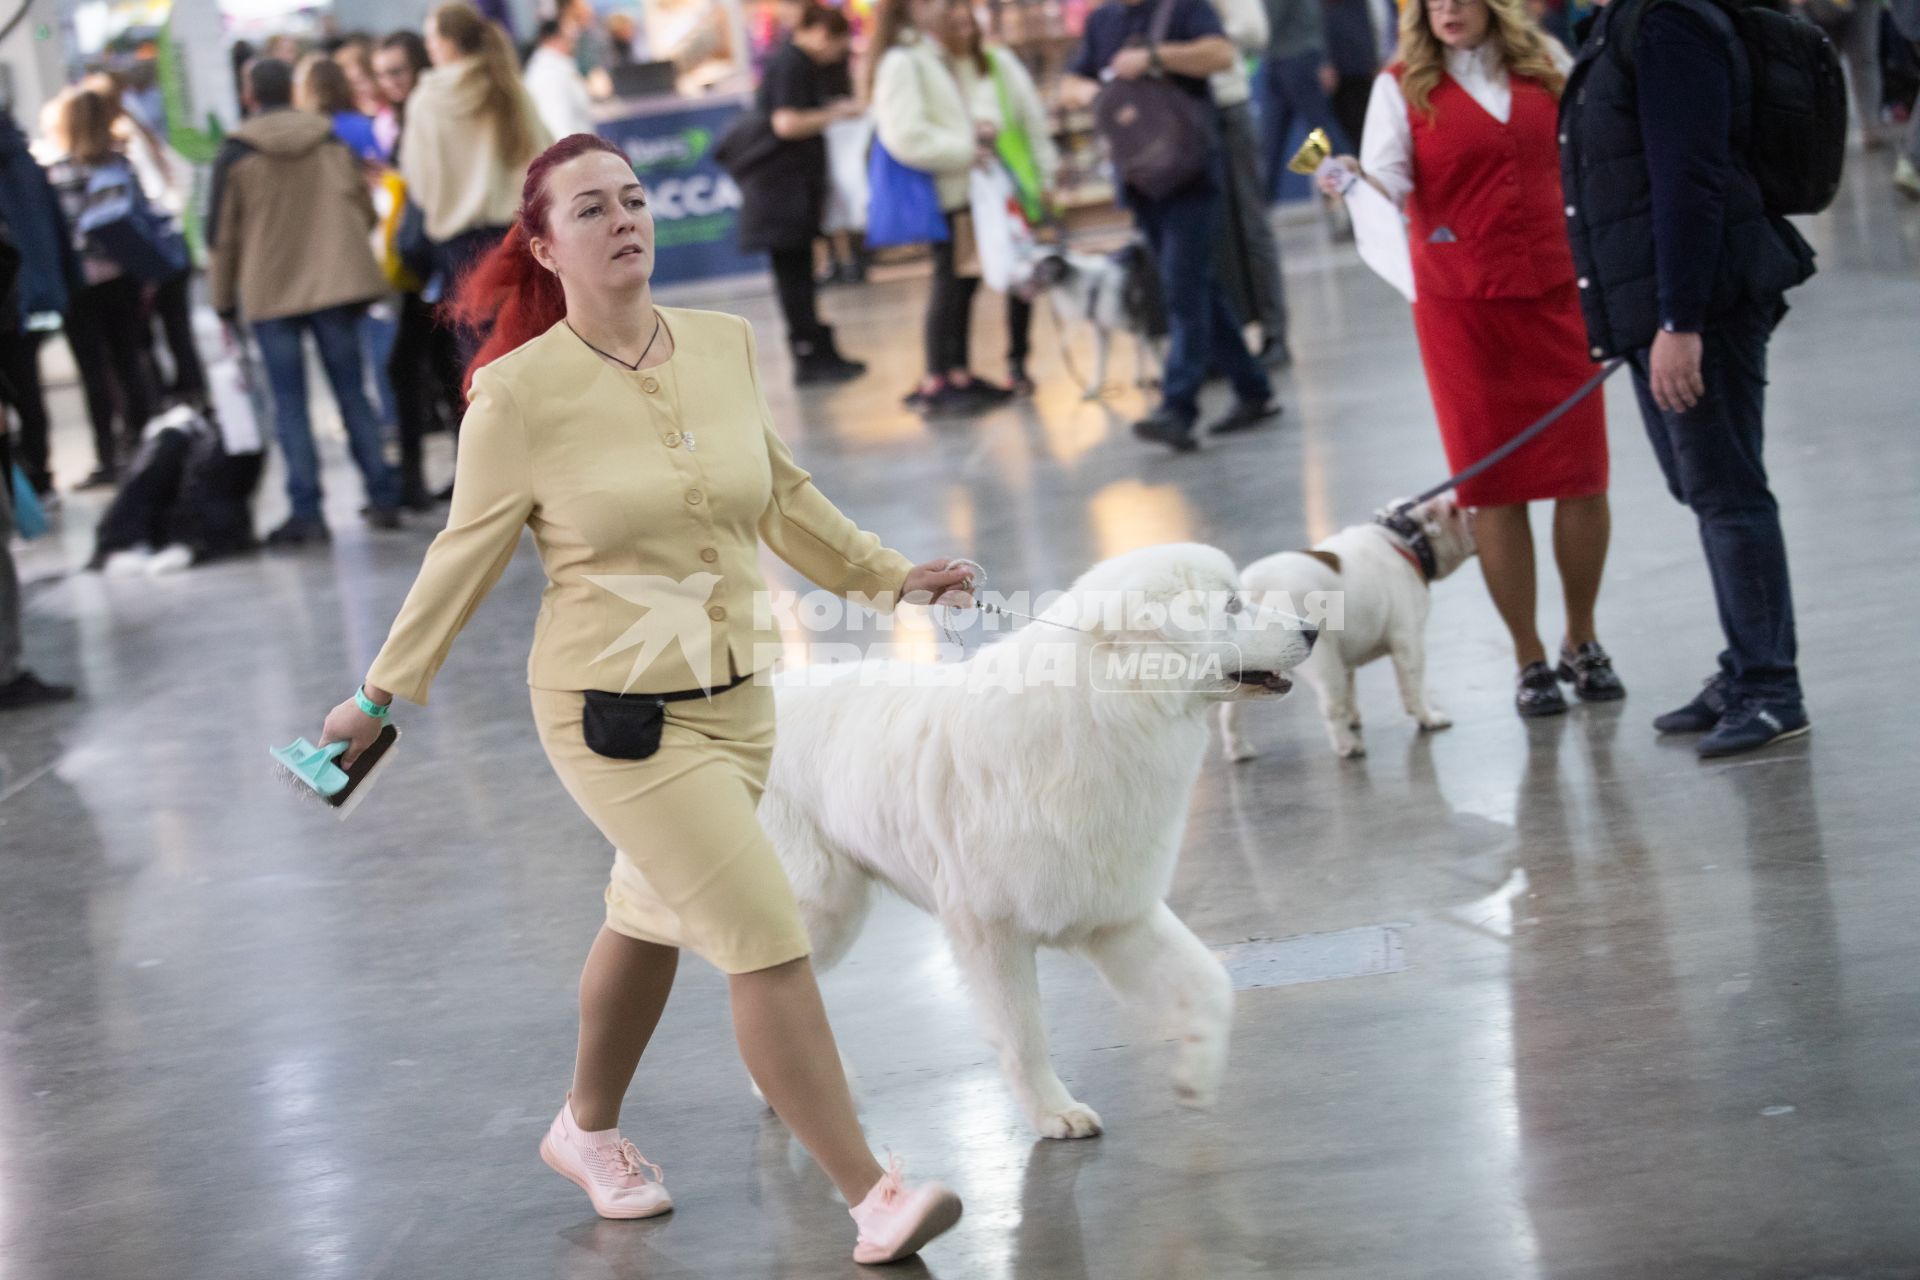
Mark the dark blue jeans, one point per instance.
(1184, 229)
(336, 332)
(1711, 457)
(1290, 93)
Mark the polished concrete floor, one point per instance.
(1615, 1013)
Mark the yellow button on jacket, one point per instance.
(648, 494)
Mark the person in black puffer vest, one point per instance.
(1683, 271)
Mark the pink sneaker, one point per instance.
(897, 1221)
(606, 1166)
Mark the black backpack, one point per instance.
(1797, 138)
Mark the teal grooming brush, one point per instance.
(317, 773)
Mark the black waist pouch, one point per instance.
(626, 726)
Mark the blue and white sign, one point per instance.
(696, 206)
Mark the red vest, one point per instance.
(1486, 218)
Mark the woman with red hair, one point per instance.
(585, 407)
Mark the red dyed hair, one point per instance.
(507, 289)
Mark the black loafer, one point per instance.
(29, 690)
(1163, 427)
(1590, 671)
(1245, 417)
(1539, 692)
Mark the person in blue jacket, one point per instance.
(1684, 271)
(48, 269)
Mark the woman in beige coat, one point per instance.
(636, 443)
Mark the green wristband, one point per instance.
(369, 706)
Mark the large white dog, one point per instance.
(1036, 795)
(1381, 571)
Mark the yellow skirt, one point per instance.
(692, 867)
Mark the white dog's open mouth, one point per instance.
(1264, 681)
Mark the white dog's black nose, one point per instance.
(1310, 634)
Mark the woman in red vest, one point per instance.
(1461, 134)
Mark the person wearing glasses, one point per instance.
(1461, 133)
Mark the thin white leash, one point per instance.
(973, 583)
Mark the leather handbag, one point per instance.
(1161, 137)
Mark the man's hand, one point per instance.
(1077, 93)
(1673, 370)
(1131, 63)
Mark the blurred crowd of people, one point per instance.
(369, 172)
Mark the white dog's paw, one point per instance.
(1239, 751)
(1347, 743)
(1074, 1120)
(1434, 720)
(1197, 1072)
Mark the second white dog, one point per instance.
(1035, 795)
(1382, 576)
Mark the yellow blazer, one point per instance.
(662, 484)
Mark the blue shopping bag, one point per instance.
(903, 204)
(29, 517)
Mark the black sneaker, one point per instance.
(29, 690)
(1539, 693)
(99, 478)
(298, 531)
(1590, 671)
(1702, 713)
(1162, 426)
(978, 393)
(1245, 417)
(383, 517)
(1749, 725)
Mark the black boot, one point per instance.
(819, 363)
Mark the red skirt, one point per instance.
(1494, 367)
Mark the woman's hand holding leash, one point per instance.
(946, 582)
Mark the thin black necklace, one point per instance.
(659, 323)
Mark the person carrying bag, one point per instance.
(1143, 66)
(1161, 137)
(928, 140)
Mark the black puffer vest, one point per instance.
(1603, 171)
